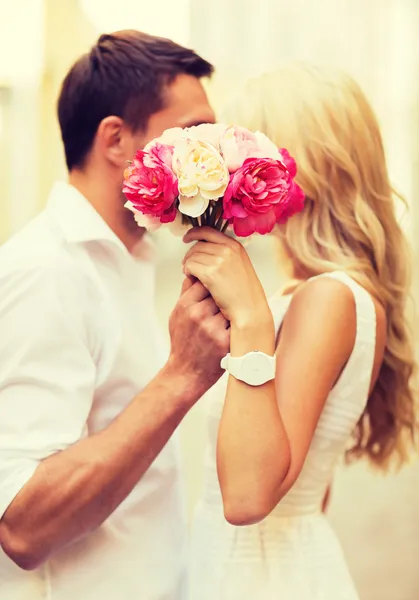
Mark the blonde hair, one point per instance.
(324, 120)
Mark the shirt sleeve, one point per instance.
(47, 373)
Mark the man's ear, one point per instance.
(111, 140)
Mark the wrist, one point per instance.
(186, 385)
(253, 331)
(245, 316)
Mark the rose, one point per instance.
(202, 175)
(150, 184)
(237, 144)
(288, 161)
(293, 205)
(295, 200)
(256, 196)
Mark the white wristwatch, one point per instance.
(254, 368)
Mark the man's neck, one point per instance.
(106, 198)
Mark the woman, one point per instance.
(343, 359)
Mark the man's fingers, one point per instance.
(209, 307)
(219, 320)
(194, 293)
(187, 284)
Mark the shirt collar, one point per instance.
(80, 222)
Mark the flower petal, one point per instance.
(262, 223)
(177, 227)
(193, 207)
(214, 194)
(147, 221)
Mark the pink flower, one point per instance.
(258, 196)
(295, 201)
(237, 144)
(150, 183)
(289, 162)
(293, 205)
(266, 148)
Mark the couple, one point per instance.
(90, 400)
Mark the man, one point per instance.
(89, 477)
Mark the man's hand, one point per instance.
(199, 336)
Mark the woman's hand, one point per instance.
(223, 266)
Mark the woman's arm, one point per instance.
(266, 431)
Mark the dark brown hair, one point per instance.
(125, 75)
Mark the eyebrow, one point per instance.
(195, 123)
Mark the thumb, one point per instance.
(187, 284)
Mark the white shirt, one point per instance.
(79, 339)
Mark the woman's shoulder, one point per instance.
(332, 297)
(325, 297)
(343, 307)
(326, 286)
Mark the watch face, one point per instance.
(257, 369)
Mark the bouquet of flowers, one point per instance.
(224, 177)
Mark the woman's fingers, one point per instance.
(207, 234)
(197, 267)
(202, 248)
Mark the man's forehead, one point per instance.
(186, 104)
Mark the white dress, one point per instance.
(293, 554)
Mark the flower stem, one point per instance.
(224, 227)
(208, 215)
(219, 222)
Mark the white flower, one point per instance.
(202, 174)
(169, 137)
(207, 132)
(177, 227)
(147, 221)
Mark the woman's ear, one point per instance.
(110, 140)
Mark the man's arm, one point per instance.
(73, 491)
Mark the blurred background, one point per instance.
(377, 41)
